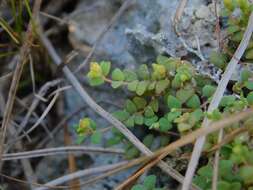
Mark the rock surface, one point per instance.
(144, 30)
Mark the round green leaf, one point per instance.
(208, 90)
(150, 120)
(173, 115)
(161, 86)
(138, 119)
(130, 107)
(182, 127)
(250, 98)
(141, 87)
(116, 84)
(164, 124)
(149, 182)
(118, 75)
(218, 59)
(132, 153)
(196, 116)
(143, 72)
(149, 112)
(148, 140)
(154, 104)
(130, 122)
(129, 75)
(193, 102)
(245, 75)
(140, 102)
(173, 102)
(164, 140)
(184, 94)
(138, 187)
(152, 85)
(113, 141)
(246, 172)
(223, 185)
(96, 137)
(132, 85)
(121, 115)
(105, 66)
(96, 81)
(227, 100)
(249, 85)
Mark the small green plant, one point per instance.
(169, 97)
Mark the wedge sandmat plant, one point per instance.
(170, 97)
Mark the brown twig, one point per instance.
(83, 173)
(75, 183)
(60, 150)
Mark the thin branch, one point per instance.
(43, 90)
(216, 100)
(60, 150)
(115, 122)
(216, 163)
(82, 173)
(227, 138)
(217, 153)
(27, 167)
(72, 166)
(42, 117)
(35, 116)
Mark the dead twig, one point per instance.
(82, 173)
(75, 183)
(43, 115)
(59, 150)
(43, 90)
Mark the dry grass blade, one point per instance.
(59, 150)
(82, 173)
(5, 26)
(72, 166)
(216, 100)
(42, 117)
(228, 138)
